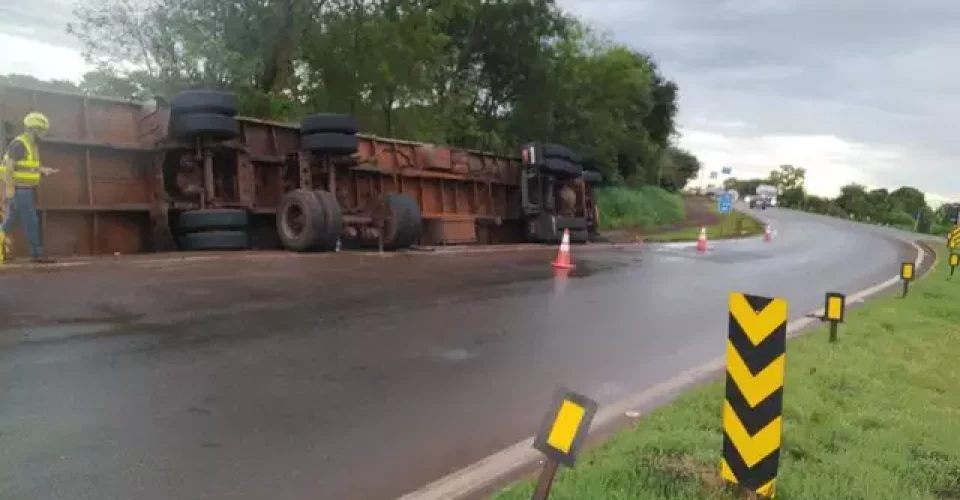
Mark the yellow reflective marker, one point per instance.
(835, 306)
(954, 259)
(906, 271)
(565, 426)
(906, 275)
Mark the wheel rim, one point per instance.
(294, 220)
(385, 220)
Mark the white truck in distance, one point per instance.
(766, 196)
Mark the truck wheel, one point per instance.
(591, 177)
(328, 122)
(301, 221)
(329, 143)
(333, 216)
(205, 125)
(204, 101)
(560, 152)
(400, 220)
(213, 219)
(579, 236)
(563, 169)
(215, 240)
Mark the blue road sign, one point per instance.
(726, 170)
(726, 203)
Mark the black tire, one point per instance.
(301, 221)
(213, 219)
(204, 101)
(559, 152)
(328, 122)
(591, 177)
(414, 221)
(562, 168)
(215, 240)
(209, 125)
(329, 143)
(333, 218)
(579, 236)
(571, 223)
(404, 221)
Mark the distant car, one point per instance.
(761, 202)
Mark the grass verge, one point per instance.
(647, 206)
(735, 225)
(875, 416)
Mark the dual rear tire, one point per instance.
(213, 229)
(309, 220)
(207, 114)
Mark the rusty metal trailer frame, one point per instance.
(120, 178)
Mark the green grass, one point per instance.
(736, 225)
(644, 207)
(875, 416)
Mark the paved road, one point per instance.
(346, 376)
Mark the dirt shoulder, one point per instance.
(700, 212)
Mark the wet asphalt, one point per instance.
(347, 376)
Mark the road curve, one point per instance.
(340, 376)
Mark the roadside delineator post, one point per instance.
(906, 275)
(562, 261)
(702, 240)
(834, 309)
(753, 404)
(561, 435)
(954, 262)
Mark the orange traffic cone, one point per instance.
(702, 240)
(563, 256)
(767, 234)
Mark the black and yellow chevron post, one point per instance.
(753, 406)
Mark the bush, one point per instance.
(642, 207)
(900, 219)
(835, 211)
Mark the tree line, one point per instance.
(906, 207)
(476, 74)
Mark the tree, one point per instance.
(908, 199)
(853, 200)
(878, 205)
(682, 167)
(789, 181)
(817, 204)
(948, 214)
(471, 73)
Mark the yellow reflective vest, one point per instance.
(26, 171)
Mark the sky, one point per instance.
(862, 91)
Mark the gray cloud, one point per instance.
(40, 20)
(881, 73)
(878, 73)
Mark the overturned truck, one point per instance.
(192, 175)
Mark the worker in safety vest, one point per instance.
(20, 172)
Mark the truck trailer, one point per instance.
(190, 174)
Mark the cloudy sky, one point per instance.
(861, 91)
